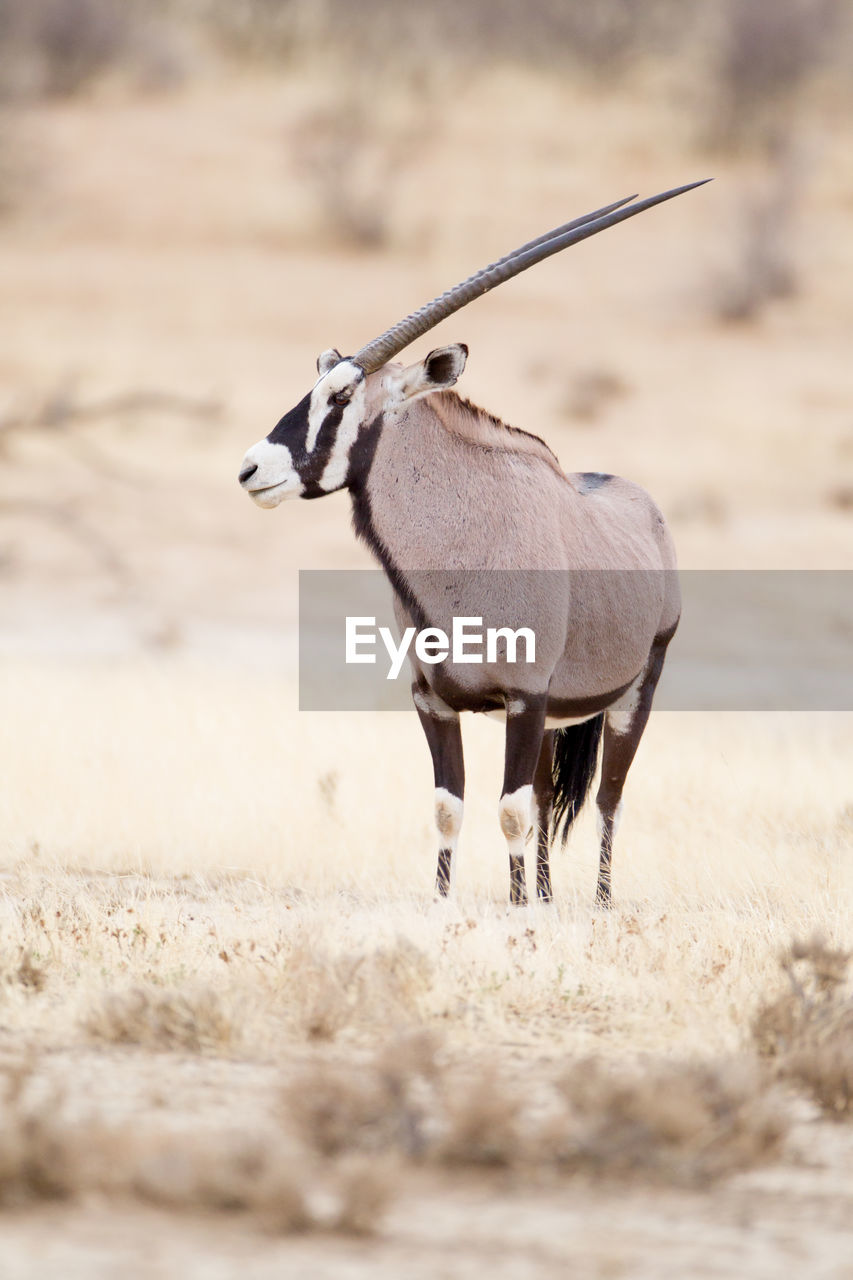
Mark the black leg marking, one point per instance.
(442, 879)
(543, 799)
(517, 882)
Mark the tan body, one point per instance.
(512, 538)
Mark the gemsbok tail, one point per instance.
(575, 762)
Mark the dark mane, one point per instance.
(471, 423)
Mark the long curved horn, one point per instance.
(381, 349)
(558, 231)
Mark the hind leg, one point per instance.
(624, 724)
(543, 801)
(525, 724)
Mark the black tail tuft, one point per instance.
(575, 762)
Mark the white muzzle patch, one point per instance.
(276, 477)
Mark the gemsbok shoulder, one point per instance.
(472, 519)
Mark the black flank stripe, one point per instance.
(361, 457)
(592, 480)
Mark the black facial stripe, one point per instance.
(360, 455)
(292, 429)
(312, 465)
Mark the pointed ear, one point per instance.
(438, 372)
(444, 365)
(327, 360)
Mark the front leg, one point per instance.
(444, 736)
(525, 726)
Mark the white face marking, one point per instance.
(276, 477)
(515, 812)
(340, 378)
(336, 469)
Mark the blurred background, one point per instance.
(198, 196)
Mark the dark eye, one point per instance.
(342, 397)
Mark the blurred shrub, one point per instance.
(58, 48)
(808, 1030)
(469, 32)
(769, 51)
(352, 151)
(763, 266)
(55, 47)
(757, 53)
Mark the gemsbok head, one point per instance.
(473, 519)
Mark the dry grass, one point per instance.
(687, 1124)
(377, 1043)
(369, 1107)
(231, 931)
(808, 1030)
(683, 1124)
(222, 1172)
(323, 993)
(21, 970)
(45, 1154)
(195, 1021)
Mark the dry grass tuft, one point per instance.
(365, 1190)
(195, 1021)
(825, 1071)
(38, 1160)
(686, 1123)
(316, 993)
(226, 1173)
(335, 1109)
(483, 1124)
(325, 994)
(46, 1156)
(23, 971)
(680, 1123)
(383, 1105)
(42, 1155)
(808, 1030)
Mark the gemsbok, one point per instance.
(474, 519)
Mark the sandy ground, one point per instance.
(164, 803)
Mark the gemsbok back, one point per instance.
(473, 519)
